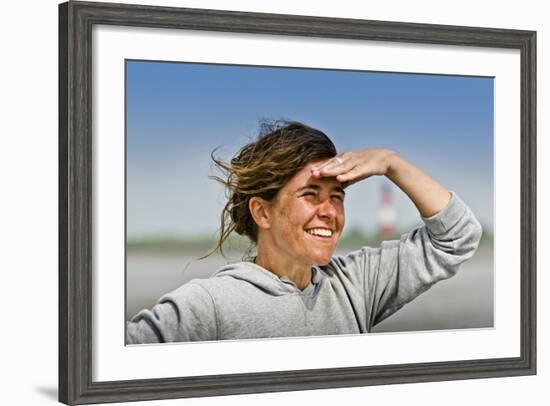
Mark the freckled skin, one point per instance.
(294, 211)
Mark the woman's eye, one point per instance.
(338, 198)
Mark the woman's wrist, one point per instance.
(428, 195)
(393, 163)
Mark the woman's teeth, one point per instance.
(322, 232)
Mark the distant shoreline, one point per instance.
(200, 244)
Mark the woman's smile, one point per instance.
(307, 219)
(320, 232)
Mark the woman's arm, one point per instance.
(428, 195)
(395, 273)
(398, 271)
(186, 314)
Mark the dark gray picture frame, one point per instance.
(76, 20)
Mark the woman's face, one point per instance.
(307, 218)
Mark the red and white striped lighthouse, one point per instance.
(386, 213)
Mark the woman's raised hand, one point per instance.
(352, 166)
(427, 194)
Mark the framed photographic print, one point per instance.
(158, 103)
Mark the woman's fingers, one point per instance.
(353, 166)
(337, 160)
(334, 166)
(355, 175)
(347, 174)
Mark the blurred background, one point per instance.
(177, 113)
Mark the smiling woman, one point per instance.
(286, 194)
(300, 227)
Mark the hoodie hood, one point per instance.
(264, 279)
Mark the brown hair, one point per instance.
(262, 167)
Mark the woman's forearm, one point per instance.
(427, 194)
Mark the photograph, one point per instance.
(268, 202)
(358, 195)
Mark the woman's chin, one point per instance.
(321, 260)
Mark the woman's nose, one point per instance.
(327, 209)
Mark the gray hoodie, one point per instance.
(348, 296)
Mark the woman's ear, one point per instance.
(259, 209)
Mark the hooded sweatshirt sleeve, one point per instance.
(399, 271)
(186, 314)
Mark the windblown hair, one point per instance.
(262, 167)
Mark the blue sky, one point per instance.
(177, 113)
